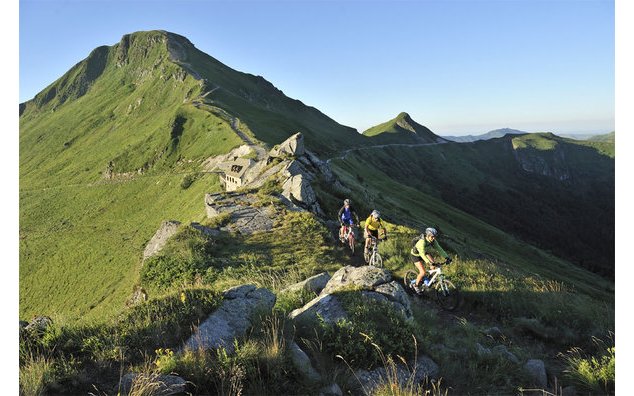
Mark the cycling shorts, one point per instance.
(348, 220)
(374, 233)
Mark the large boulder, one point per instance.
(232, 319)
(372, 284)
(293, 146)
(161, 236)
(365, 277)
(315, 284)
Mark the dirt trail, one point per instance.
(345, 153)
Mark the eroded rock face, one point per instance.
(161, 236)
(232, 319)
(293, 146)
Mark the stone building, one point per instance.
(233, 176)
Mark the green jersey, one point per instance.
(421, 248)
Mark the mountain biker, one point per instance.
(372, 226)
(345, 217)
(420, 254)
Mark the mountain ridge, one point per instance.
(401, 129)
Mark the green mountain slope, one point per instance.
(115, 147)
(402, 129)
(556, 193)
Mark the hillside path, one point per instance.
(345, 153)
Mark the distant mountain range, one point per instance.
(497, 133)
(486, 136)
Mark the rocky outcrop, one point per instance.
(160, 385)
(551, 163)
(293, 146)
(313, 284)
(244, 216)
(370, 282)
(368, 381)
(161, 236)
(232, 319)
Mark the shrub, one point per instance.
(594, 374)
(377, 322)
(188, 180)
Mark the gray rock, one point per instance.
(331, 390)
(406, 376)
(302, 363)
(232, 319)
(313, 284)
(327, 307)
(293, 146)
(298, 188)
(160, 238)
(366, 277)
(155, 384)
(38, 325)
(537, 372)
(501, 350)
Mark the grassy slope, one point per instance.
(81, 237)
(469, 235)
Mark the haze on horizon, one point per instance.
(460, 67)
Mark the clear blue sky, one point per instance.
(457, 67)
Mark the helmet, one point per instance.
(376, 214)
(431, 231)
(346, 201)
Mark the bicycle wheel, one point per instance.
(376, 260)
(410, 276)
(447, 295)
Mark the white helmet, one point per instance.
(375, 213)
(431, 231)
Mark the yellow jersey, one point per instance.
(373, 224)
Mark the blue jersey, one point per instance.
(345, 215)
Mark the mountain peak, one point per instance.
(403, 129)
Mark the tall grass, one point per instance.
(592, 373)
(36, 374)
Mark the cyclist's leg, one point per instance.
(421, 270)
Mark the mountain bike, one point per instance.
(349, 237)
(373, 257)
(447, 295)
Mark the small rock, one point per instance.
(160, 385)
(494, 332)
(537, 371)
(38, 325)
(302, 363)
